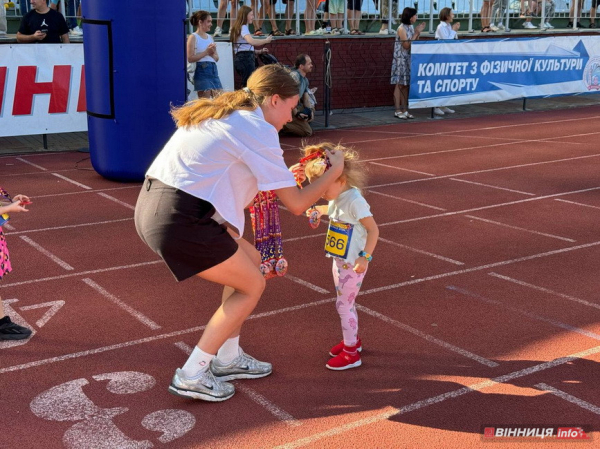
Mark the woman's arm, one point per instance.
(403, 38)
(257, 42)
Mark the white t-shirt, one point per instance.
(444, 31)
(241, 44)
(225, 162)
(350, 207)
(202, 44)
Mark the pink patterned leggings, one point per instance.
(347, 285)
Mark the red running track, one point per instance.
(481, 307)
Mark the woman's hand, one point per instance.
(13, 207)
(211, 49)
(420, 27)
(298, 171)
(22, 198)
(336, 159)
(456, 26)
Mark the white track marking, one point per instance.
(479, 268)
(305, 283)
(126, 307)
(54, 228)
(304, 237)
(25, 161)
(135, 186)
(491, 206)
(567, 397)
(405, 200)
(576, 203)
(440, 398)
(427, 337)
(279, 413)
(8, 226)
(82, 273)
(476, 172)
(33, 173)
(420, 251)
(491, 186)
(402, 169)
(47, 253)
(546, 290)
(112, 198)
(531, 315)
(552, 236)
(54, 306)
(78, 184)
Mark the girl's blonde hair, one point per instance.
(354, 173)
(240, 21)
(266, 81)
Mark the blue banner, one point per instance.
(445, 73)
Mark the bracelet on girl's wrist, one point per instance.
(366, 256)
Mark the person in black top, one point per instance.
(43, 25)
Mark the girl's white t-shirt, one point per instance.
(350, 207)
(202, 44)
(241, 44)
(225, 162)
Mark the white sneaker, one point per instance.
(2, 33)
(438, 111)
(549, 25)
(76, 31)
(218, 32)
(494, 28)
(529, 26)
(447, 110)
(401, 115)
(501, 26)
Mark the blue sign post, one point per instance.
(134, 70)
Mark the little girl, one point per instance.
(8, 205)
(351, 239)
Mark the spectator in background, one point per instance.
(304, 112)
(25, 7)
(70, 10)
(354, 14)
(385, 11)
(401, 64)
(310, 16)
(289, 14)
(446, 30)
(485, 15)
(43, 25)
(572, 14)
(336, 16)
(3, 24)
(527, 13)
(202, 50)
(549, 14)
(268, 8)
(498, 15)
(244, 59)
(222, 14)
(593, 13)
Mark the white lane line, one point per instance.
(54, 228)
(477, 172)
(567, 397)
(546, 290)
(402, 169)
(531, 315)
(552, 236)
(135, 186)
(427, 337)
(8, 226)
(304, 237)
(405, 200)
(47, 253)
(126, 307)
(82, 273)
(479, 268)
(491, 206)
(306, 283)
(78, 184)
(491, 186)
(25, 161)
(112, 198)
(33, 173)
(54, 306)
(440, 398)
(420, 251)
(576, 203)
(279, 413)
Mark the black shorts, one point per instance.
(178, 227)
(355, 5)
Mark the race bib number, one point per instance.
(338, 239)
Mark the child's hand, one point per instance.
(15, 206)
(360, 265)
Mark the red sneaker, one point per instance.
(340, 347)
(344, 360)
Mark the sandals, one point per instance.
(276, 33)
(486, 29)
(290, 32)
(259, 33)
(356, 33)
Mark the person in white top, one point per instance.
(351, 239)
(202, 50)
(446, 30)
(244, 59)
(224, 151)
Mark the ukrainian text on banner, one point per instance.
(445, 73)
(41, 89)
